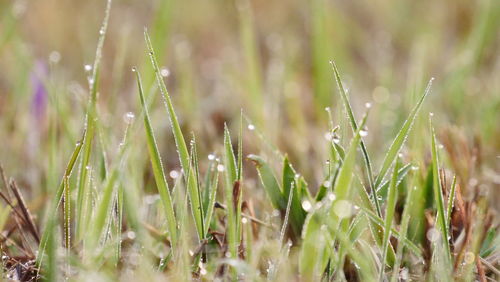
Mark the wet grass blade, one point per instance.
(345, 100)
(269, 182)
(180, 142)
(157, 165)
(49, 226)
(438, 196)
(389, 216)
(90, 126)
(343, 181)
(400, 139)
(403, 231)
(231, 175)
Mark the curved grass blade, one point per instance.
(156, 163)
(400, 139)
(193, 192)
(269, 182)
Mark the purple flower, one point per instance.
(40, 95)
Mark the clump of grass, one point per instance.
(251, 211)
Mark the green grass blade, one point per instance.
(403, 231)
(451, 200)
(297, 213)
(180, 142)
(49, 227)
(157, 165)
(343, 181)
(382, 191)
(389, 216)
(269, 182)
(211, 199)
(231, 174)
(438, 196)
(90, 126)
(400, 139)
(354, 125)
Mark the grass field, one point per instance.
(320, 140)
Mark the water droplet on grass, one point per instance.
(306, 205)
(174, 174)
(251, 127)
(220, 168)
(211, 157)
(363, 132)
(368, 105)
(87, 68)
(129, 117)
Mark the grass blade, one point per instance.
(389, 215)
(157, 165)
(269, 182)
(438, 196)
(90, 126)
(401, 137)
(354, 125)
(451, 199)
(180, 142)
(49, 227)
(231, 174)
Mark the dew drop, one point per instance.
(327, 184)
(363, 132)
(251, 127)
(414, 167)
(306, 205)
(211, 157)
(220, 167)
(131, 235)
(87, 68)
(297, 176)
(129, 117)
(331, 196)
(440, 146)
(134, 69)
(101, 31)
(368, 105)
(336, 139)
(174, 174)
(244, 220)
(164, 72)
(431, 114)
(328, 109)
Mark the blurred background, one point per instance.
(269, 59)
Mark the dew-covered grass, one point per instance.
(249, 140)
